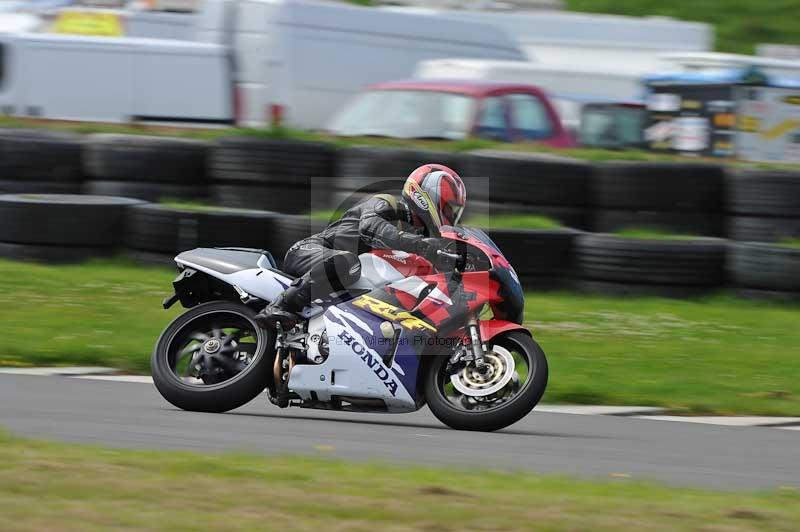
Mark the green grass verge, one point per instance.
(199, 206)
(48, 486)
(104, 312)
(738, 24)
(793, 243)
(651, 234)
(513, 221)
(720, 355)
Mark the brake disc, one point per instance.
(500, 370)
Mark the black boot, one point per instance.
(285, 309)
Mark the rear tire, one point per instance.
(236, 390)
(497, 417)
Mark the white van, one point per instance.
(69, 77)
(292, 60)
(301, 61)
(587, 41)
(554, 79)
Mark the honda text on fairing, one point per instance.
(403, 336)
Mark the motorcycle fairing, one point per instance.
(381, 266)
(407, 264)
(405, 362)
(355, 366)
(442, 299)
(258, 279)
(508, 302)
(491, 328)
(412, 290)
(467, 294)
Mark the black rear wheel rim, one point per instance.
(218, 347)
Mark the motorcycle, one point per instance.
(403, 336)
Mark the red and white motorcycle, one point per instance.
(403, 336)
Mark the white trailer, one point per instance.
(68, 77)
(290, 59)
(556, 80)
(591, 41)
(303, 60)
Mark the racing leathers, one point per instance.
(379, 222)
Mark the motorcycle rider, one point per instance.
(433, 195)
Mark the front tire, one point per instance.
(500, 409)
(213, 358)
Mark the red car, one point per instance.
(453, 110)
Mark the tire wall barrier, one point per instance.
(59, 228)
(272, 174)
(761, 270)
(362, 171)
(543, 259)
(157, 233)
(684, 198)
(610, 264)
(150, 168)
(69, 228)
(40, 162)
(164, 230)
(504, 183)
(763, 205)
(295, 177)
(279, 180)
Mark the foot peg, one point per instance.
(271, 318)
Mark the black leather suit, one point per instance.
(379, 222)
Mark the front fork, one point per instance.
(476, 343)
(474, 353)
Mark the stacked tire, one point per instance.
(765, 271)
(608, 264)
(542, 258)
(685, 198)
(61, 228)
(540, 184)
(156, 233)
(145, 167)
(763, 205)
(40, 162)
(365, 170)
(272, 174)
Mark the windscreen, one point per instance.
(612, 126)
(481, 235)
(512, 296)
(406, 114)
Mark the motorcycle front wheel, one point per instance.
(213, 358)
(511, 385)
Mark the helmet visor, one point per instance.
(452, 213)
(422, 205)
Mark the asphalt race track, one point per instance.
(134, 415)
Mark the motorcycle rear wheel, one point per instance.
(500, 409)
(213, 358)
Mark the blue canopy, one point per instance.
(736, 76)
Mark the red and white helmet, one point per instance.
(436, 196)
